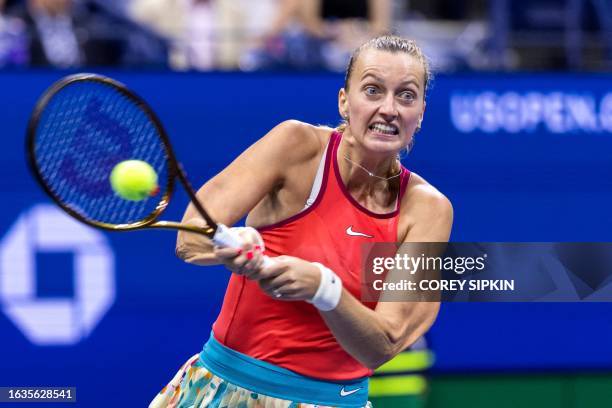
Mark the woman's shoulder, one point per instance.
(298, 140)
(423, 200)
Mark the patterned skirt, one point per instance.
(194, 386)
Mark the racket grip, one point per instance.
(225, 237)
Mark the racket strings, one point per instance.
(85, 130)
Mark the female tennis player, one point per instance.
(295, 334)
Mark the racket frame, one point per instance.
(175, 169)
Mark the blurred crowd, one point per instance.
(71, 33)
(303, 34)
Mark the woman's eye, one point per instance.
(371, 90)
(409, 96)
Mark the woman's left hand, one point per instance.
(290, 278)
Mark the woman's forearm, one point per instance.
(373, 337)
(360, 331)
(196, 249)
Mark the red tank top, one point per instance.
(293, 335)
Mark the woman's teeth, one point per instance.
(385, 129)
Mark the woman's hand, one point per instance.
(247, 260)
(289, 278)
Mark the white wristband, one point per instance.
(329, 291)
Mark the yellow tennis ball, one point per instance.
(134, 180)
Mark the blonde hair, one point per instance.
(393, 44)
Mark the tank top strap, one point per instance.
(404, 179)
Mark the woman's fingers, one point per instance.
(227, 253)
(245, 260)
(274, 269)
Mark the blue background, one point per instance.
(528, 186)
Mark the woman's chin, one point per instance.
(383, 145)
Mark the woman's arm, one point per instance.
(309, 13)
(380, 17)
(287, 11)
(231, 194)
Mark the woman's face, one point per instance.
(385, 102)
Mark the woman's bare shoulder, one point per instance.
(420, 189)
(298, 140)
(424, 202)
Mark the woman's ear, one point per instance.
(422, 113)
(343, 103)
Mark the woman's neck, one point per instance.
(364, 170)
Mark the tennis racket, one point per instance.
(84, 125)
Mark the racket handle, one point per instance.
(225, 237)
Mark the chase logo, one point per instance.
(64, 320)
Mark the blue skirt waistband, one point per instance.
(268, 379)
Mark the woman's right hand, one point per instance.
(246, 260)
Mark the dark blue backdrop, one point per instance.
(522, 158)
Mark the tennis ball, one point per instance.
(134, 180)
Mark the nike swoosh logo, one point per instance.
(349, 231)
(344, 393)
